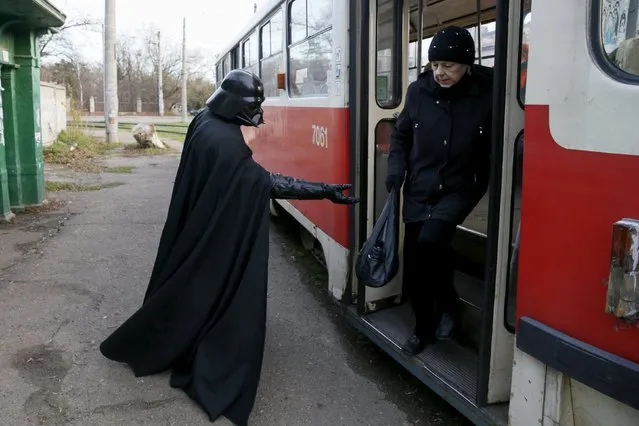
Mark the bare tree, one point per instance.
(136, 71)
(58, 42)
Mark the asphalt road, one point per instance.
(85, 271)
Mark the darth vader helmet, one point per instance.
(239, 98)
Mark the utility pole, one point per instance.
(160, 84)
(184, 74)
(110, 73)
(103, 71)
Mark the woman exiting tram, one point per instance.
(440, 151)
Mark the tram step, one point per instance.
(454, 363)
(446, 367)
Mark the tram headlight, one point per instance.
(623, 283)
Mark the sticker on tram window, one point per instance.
(620, 34)
(320, 136)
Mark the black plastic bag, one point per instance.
(378, 260)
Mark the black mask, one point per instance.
(239, 98)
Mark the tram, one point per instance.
(547, 264)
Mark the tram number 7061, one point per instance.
(320, 136)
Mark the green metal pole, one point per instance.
(28, 115)
(11, 139)
(5, 209)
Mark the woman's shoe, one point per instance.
(415, 345)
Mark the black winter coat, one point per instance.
(441, 144)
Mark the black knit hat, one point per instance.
(452, 44)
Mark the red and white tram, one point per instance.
(548, 334)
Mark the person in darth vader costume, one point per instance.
(440, 153)
(204, 311)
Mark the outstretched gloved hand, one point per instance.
(288, 187)
(334, 193)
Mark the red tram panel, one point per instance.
(570, 201)
(285, 144)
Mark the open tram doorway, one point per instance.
(472, 371)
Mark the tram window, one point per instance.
(250, 54)
(297, 22)
(523, 56)
(234, 58)
(254, 53)
(412, 62)
(388, 83)
(265, 38)
(413, 69)
(226, 66)
(319, 14)
(271, 54)
(413, 46)
(619, 23)
(219, 75)
(246, 59)
(484, 43)
(277, 32)
(310, 48)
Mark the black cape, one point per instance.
(204, 311)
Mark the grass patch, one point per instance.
(172, 136)
(77, 150)
(118, 169)
(171, 129)
(53, 186)
(133, 150)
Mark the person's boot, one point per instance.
(446, 327)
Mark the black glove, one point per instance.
(394, 181)
(334, 194)
(287, 187)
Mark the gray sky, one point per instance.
(210, 23)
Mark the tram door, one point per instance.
(482, 354)
(386, 90)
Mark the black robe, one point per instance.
(204, 311)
